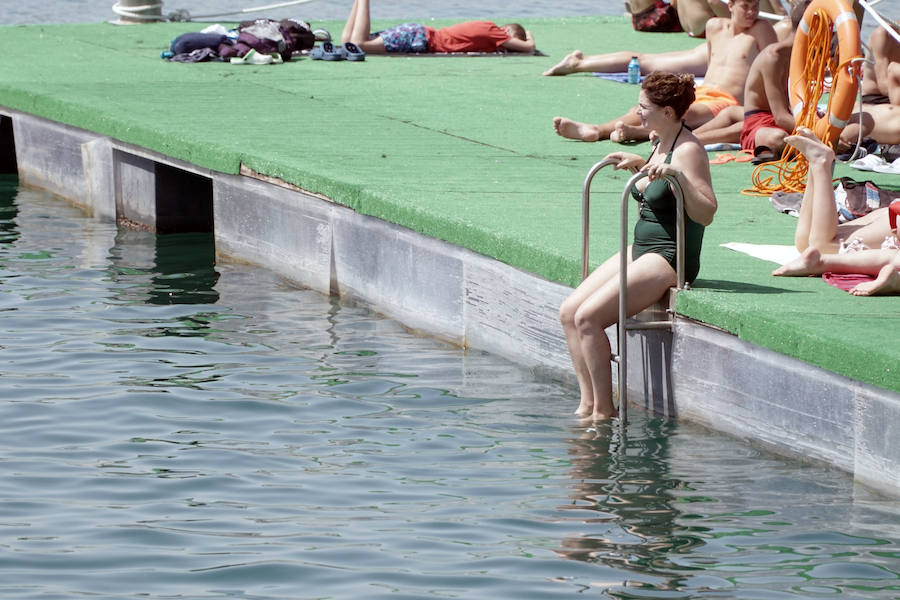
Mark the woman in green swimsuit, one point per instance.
(594, 305)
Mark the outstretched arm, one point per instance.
(525, 46)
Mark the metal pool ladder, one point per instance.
(624, 324)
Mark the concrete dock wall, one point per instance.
(700, 373)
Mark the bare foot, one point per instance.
(584, 409)
(605, 415)
(628, 133)
(808, 263)
(574, 130)
(887, 282)
(567, 65)
(810, 146)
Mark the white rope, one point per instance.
(136, 12)
(247, 10)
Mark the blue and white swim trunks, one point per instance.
(406, 38)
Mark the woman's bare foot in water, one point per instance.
(808, 263)
(585, 408)
(574, 130)
(887, 282)
(567, 65)
(624, 133)
(810, 146)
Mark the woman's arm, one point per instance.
(690, 166)
(626, 160)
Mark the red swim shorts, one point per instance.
(755, 120)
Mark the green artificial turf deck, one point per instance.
(457, 148)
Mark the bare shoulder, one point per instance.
(764, 33)
(717, 25)
(690, 152)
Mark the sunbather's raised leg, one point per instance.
(817, 224)
(358, 29)
(347, 33)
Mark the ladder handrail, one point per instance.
(585, 214)
(622, 327)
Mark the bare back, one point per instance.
(767, 83)
(886, 50)
(731, 53)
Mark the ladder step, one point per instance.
(636, 325)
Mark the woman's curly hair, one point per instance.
(670, 89)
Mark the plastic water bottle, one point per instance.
(634, 70)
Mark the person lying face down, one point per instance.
(470, 36)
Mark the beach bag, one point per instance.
(862, 197)
(660, 17)
(267, 36)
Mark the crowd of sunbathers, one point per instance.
(745, 62)
(743, 99)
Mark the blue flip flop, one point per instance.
(353, 52)
(326, 51)
(329, 52)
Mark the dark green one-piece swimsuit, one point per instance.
(655, 229)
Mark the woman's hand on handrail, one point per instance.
(659, 170)
(626, 160)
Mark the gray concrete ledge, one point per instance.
(700, 374)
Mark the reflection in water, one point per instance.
(176, 268)
(621, 493)
(9, 232)
(183, 429)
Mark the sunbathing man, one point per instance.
(471, 36)
(761, 125)
(731, 45)
(817, 226)
(881, 80)
(879, 115)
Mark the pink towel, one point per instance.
(847, 281)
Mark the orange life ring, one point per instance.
(845, 84)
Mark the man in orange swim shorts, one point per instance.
(732, 44)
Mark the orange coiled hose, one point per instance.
(808, 84)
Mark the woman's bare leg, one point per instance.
(887, 282)
(649, 277)
(347, 33)
(358, 27)
(605, 272)
(818, 223)
(813, 262)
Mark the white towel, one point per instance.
(770, 252)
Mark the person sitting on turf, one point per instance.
(761, 125)
(879, 115)
(818, 226)
(593, 306)
(471, 36)
(731, 44)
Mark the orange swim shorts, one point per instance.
(714, 98)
